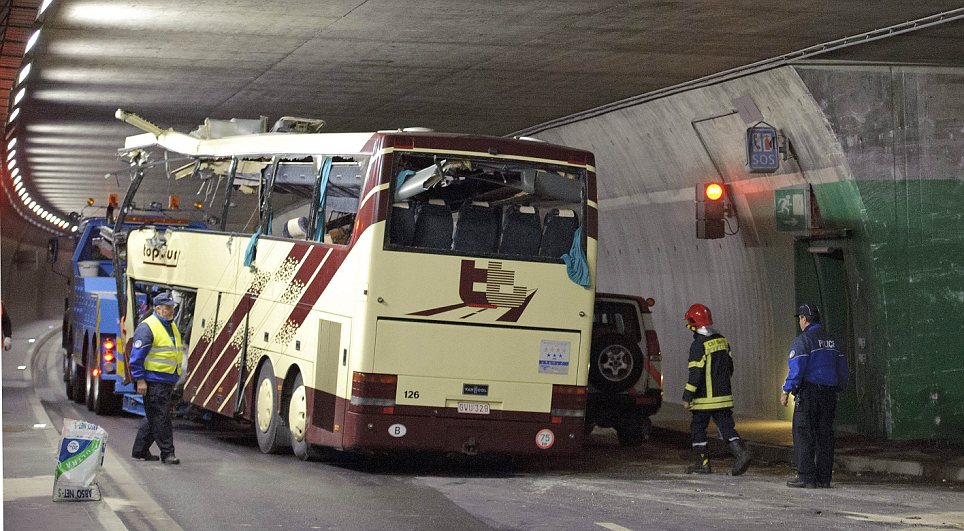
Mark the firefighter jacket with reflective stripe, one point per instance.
(158, 354)
(710, 369)
(815, 360)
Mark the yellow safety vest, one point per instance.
(165, 355)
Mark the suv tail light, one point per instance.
(652, 346)
(567, 401)
(373, 393)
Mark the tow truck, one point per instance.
(95, 373)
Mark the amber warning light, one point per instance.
(710, 210)
(713, 191)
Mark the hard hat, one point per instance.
(698, 316)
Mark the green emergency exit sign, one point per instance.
(792, 209)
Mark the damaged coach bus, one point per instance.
(374, 291)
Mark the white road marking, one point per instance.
(614, 527)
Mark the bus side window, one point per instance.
(340, 198)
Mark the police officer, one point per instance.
(707, 394)
(818, 371)
(156, 361)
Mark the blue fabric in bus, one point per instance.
(521, 233)
(252, 249)
(401, 224)
(433, 226)
(402, 175)
(557, 235)
(320, 230)
(478, 228)
(576, 265)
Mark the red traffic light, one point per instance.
(713, 191)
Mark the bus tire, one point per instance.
(298, 422)
(615, 363)
(273, 436)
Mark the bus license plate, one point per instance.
(474, 408)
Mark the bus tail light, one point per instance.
(652, 346)
(567, 401)
(373, 393)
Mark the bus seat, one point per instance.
(521, 232)
(402, 224)
(433, 225)
(478, 228)
(296, 228)
(560, 226)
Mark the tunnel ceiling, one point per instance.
(453, 65)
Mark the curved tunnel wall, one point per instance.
(651, 156)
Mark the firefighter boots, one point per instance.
(701, 463)
(742, 455)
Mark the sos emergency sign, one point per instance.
(762, 149)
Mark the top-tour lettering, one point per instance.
(162, 256)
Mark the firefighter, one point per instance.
(156, 361)
(708, 394)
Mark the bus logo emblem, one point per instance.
(488, 288)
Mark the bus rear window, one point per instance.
(514, 209)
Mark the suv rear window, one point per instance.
(619, 317)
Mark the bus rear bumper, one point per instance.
(366, 431)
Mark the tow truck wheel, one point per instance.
(616, 363)
(105, 402)
(269, 427)
(77, 382)
(68, 376)
(298, 422)
(90, 381)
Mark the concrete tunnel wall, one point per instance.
(649, 158)
(880, 146)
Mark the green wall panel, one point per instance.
(904, 261)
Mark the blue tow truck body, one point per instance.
(95, 369)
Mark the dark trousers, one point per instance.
(156, 426)
(813, 416)
(723, 418)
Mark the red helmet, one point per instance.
(698, 316)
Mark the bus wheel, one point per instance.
(298, 423)
(268, 426)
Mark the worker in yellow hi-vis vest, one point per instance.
(708, 394)
(156, 360)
